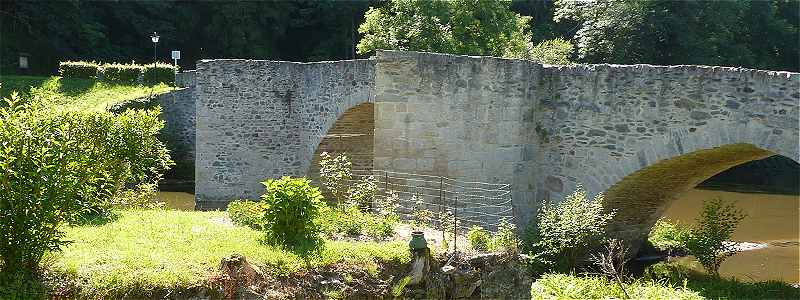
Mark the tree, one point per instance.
(709, 239)
(756, 34)
(472, 27)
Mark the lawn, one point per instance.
(146, 250)
(77, 94)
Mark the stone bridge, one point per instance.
(641, 133)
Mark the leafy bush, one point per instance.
(667, 236)
(363, 193)
(505, 239)
(564, 286)
(247, 213)
(566, 231)
(59, 166)
(292, 206)
(142, 196)
(160, 73)
(78, 69)
(336, 176)
(479, 239)
(353, 222)
(555, 52)
(121, 73)
(709, 239)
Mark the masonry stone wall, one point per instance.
(544, 129)
(264, 119)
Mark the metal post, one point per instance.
(441, 207)
(455, 225)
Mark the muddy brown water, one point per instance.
(771, 219)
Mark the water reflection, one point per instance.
(177, 200)
(771, 219)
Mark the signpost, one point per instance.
(176, 55)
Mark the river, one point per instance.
(771, 219)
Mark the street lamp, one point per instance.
(154, 37)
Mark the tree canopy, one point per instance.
(754, 34)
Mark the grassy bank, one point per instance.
(77, 94)
(153, 250)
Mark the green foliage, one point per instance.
(62, 166)
(471, 27)
(757, 34)
(78, 69)
(353, 222)
(121, 73)
(709, 239)
(505, 239)
(147, 254)
(563, 286)
(421, 215)
(160, 73)
(336, 175)
(292, 207)
(247, 213)
(479, 239)
(566, 231)
(667, 236)
(555, 52)
(363, 192)
(716, 287)
(143, 196)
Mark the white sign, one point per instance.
(176, 54)
(23, 62)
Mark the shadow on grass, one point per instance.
(94, 218)
(21, 285)
(304, 248)
(717, 287)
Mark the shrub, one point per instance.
(61, 165)
(142, 196)
(708, 241)
(78, 69)
(566, 231)
(121, 73)
(363, 193)
(479, 239)
(247, 213)
(505, 239)
(160, 73)
(667, 236)
(352, 222)
(715, 287)
(292, 206)
(336, 175)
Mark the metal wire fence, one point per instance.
(451, 203)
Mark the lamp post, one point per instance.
(154, 37)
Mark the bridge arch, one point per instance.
(264, 119)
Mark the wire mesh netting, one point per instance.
(451, 203)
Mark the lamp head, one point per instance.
(154, 37)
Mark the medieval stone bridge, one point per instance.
(643, 133)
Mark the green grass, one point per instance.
(154, 250)
(563, 286)
(77, 94)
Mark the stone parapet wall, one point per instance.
(543, 129)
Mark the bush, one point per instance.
(667, 236)
(78, 69)
(160, 73)
(247, 213)
(708, 241)
(121, 73)
(354, 222)
(479, 239)
(292, 206)
(59, 166)
(336, 176)
(715, 287)
(143, 196)
(565, 232)
(505, 239)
